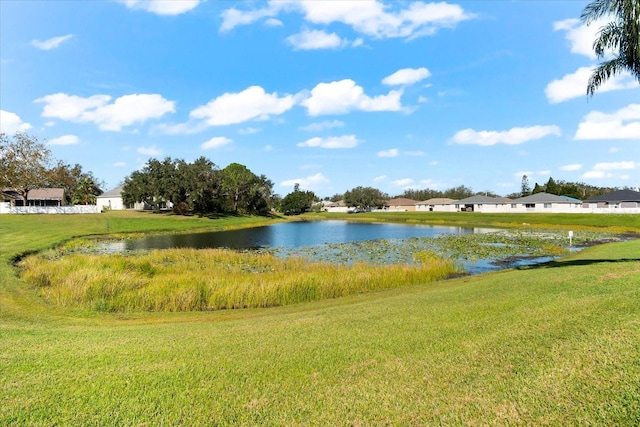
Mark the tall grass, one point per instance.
(214, 279)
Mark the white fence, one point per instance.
(6, 208)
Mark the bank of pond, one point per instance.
(279, 264)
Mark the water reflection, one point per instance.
(293, 235)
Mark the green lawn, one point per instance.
(557, 344)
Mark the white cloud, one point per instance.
(162, 7)
(622, 124)
(377, 20)
(232, 18)
(571, 167)
(406, 76)
(608, 166)
(320, 126)
(310, 182)
(596, 175)
(514, 136)
(575, 85)
(65, 140)
(429, 183)
(52, 43)
(345, 141)
(343, 96)
(403, 182)
(531, 174)
(423, 99)
(614, 150)
(608, 169)
(119, 164)
(315, 39)
(393, 152)
(216, 142)
(272, 22)
(248, 131)
(250, 104)
(579, 35)
(380, 178)
(188, 128)
(124, 111)
(10, 123)
(372, 18)
(149, 151)
(520, 174)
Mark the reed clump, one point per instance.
(212, 279)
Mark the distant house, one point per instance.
(35, 197)
(480, 203)
(112, 200)
(621, 201)
(338, 206)
(439, 204)
(544, 202)
(400, 204)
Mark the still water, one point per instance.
(291, 235)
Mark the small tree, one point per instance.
(525, 187)
(537, 189)
(365, 197)
(297, 201)
(24, 163)
(551, 187)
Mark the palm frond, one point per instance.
(609, 37)
(604, 72)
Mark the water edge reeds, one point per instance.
(212, 279)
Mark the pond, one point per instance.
(477, 250)
(289, 235)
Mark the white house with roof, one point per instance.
(621, 201)
(438, 204)
(112, 200)
(336, 207)
(546, 203)
(486, 204)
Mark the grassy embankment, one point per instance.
(557, 344)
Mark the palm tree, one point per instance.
(621, 35)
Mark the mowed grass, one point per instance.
(557, 344)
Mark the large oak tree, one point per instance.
(24, 163)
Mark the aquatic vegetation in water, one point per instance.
(489, 247)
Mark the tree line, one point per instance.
(200, 186)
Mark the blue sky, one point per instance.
(328, 94)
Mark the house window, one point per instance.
(530, 205)
(547, 205)
(513, 205)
